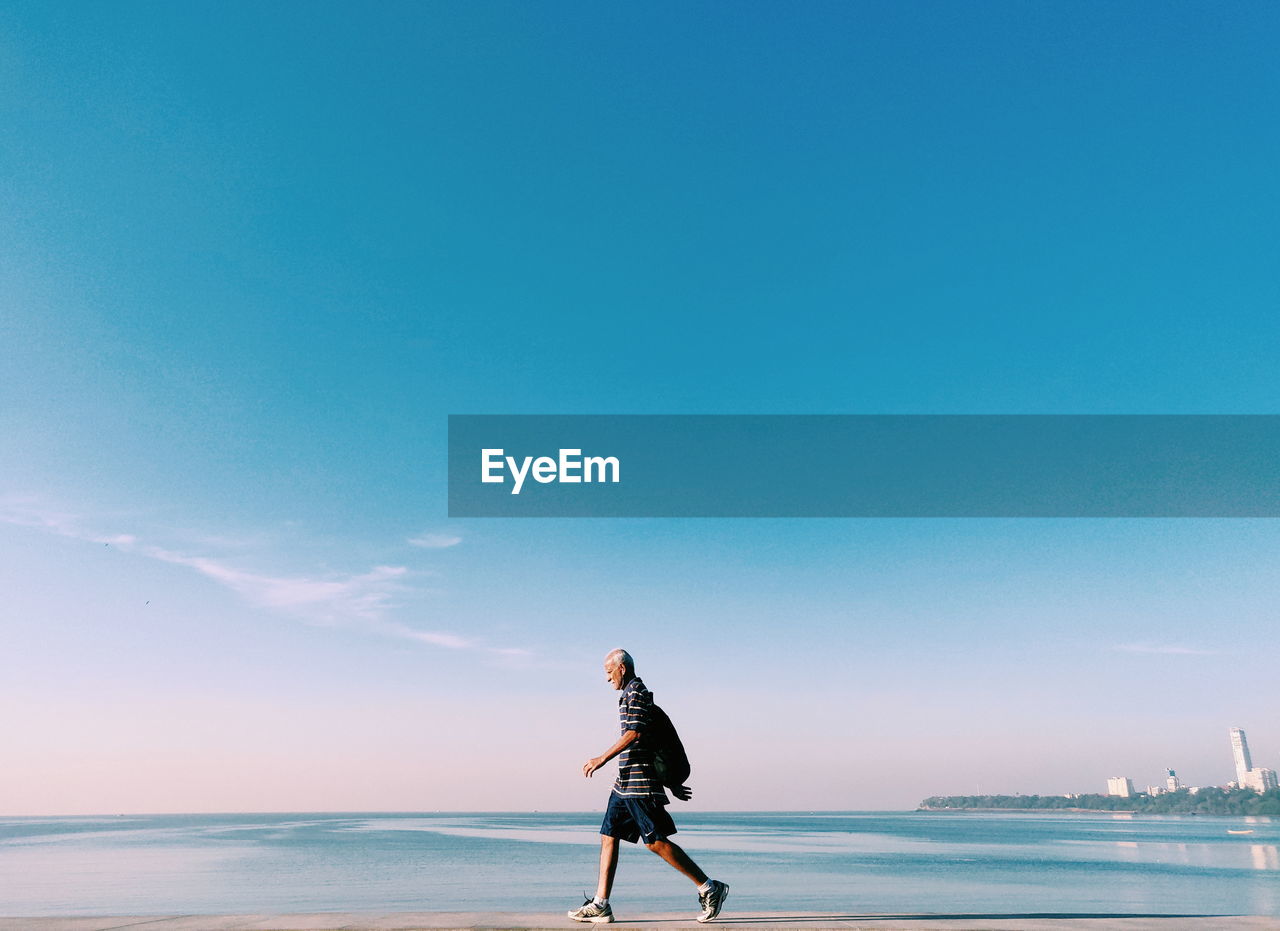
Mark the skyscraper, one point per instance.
(1172, 782)
(1120, 785)
(1240, 750)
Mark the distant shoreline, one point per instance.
(1211, 801)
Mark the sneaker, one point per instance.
(596, 914)
(713, 899)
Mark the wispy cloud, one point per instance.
(450, 641)
(435, 638)
(365, 597)
(1163, 649)
(24, 511)
(360, 600)
(435, 541)
(225, 541)
(354, 600)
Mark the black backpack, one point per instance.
(670, 761)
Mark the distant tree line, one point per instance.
(1208, 801)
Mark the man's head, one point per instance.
(619, 668)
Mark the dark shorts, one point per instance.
(629, 819)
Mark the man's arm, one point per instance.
(626, 740)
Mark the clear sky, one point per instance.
(252, 256)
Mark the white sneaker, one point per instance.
(712, 900)
(596, 914)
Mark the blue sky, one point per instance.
(251, 258)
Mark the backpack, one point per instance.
(670, 762)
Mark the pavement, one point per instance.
(810, 921)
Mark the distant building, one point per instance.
(1172, 783)
(1260, 780)
(1240, 751)
(1121, 786)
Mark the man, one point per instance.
(637, 804)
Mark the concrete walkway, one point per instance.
(403, 921)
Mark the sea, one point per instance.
(842, 863)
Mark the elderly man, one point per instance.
(637, 805)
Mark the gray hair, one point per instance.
(621, 656)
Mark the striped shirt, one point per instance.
(636, 776)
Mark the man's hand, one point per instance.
(684, 793)
(626, 740)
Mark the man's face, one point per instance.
(614, 671)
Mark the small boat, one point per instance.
(1229, 831)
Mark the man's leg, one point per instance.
(608, 866)
(711, 892)
(673, 854)
(598, 910)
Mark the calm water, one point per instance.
(839, 862)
